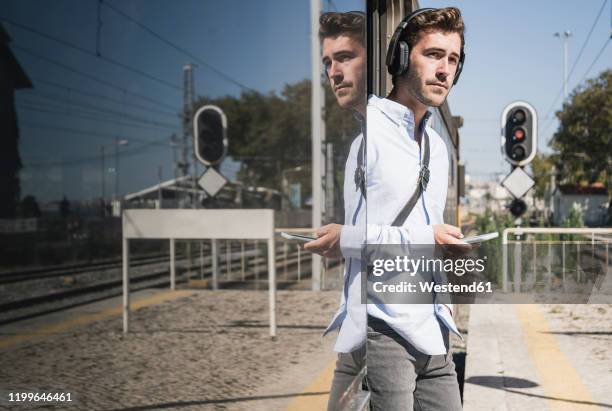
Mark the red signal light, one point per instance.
(519, 134)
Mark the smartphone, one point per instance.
(480, 238)
(298, 237)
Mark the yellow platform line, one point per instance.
(558, 378)
(311, 398)
(85, 319)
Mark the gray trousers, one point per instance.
(402, 378)
(348, 366)
(399, 376)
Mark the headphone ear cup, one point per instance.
(459, 68)
(403, 58)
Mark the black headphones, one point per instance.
(398, 54)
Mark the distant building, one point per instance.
(177, 193)
(592, 199)
(483, 194)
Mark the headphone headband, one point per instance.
(398, 53)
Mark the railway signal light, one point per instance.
(519, 128)
(518, 207)
(210, 135)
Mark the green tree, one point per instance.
(542, 167)
(583, 141)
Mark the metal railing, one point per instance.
(333, 269)
(594, 237)
(242, 260)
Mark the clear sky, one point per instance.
(263, 45)
(513, 55)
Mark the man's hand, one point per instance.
(327, 243)
(447, 234)
(451, 235)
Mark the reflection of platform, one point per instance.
(520, 357)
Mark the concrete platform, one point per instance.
(519, 357)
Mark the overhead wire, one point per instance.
(94, 134)
(90, 76)
(177, 47)
(54, 98)
(93, 54)
(89, 159)
(71, 90)
(584, 75)
(595, 60)
(82, 115)
(549, 111)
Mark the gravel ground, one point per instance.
(210, 351)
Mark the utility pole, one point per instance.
(188, 141)
(318, 134)
(566, 35)
(160, 197)
(188, 91)
(118, 142)
(116, 193)
(330, 210)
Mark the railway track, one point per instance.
(74, 269)
(154, 273)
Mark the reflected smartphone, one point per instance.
(298, 237)
(480, 238)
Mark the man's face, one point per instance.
(345, 62)
(433, 64)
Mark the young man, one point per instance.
(409, 360)
(344, 58)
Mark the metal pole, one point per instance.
(116, 193)
(126, 284)
(272, 284)
(228, 258)
(201, 260)
(215, 265)
(563, 262)
(242, 258)
(159, 189)
(256, 261)
(607, 259)
(316, 122)
(549, 258)
(566, 34)
(300, 262)
(578, 261)
(329, 182)
(172, 264)
(517, 267)
(285, 258)
(505, 261)
(535, 262)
